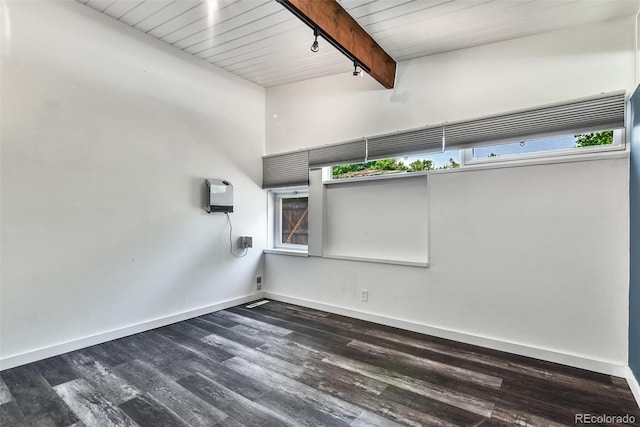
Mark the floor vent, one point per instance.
(256, 304)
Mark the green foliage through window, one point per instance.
(594, 138)
(392, 165)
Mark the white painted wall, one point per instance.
(390, 208)
(107, 136)
(529, 256)
(465, 84)
(530, 259)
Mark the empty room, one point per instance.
(319, 213)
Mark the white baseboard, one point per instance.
(633, 385)
(602, 366)
(76, 344)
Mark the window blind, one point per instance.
(416, 141)
(285, 170)
(603, 112)
(335, 154)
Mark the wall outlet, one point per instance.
(246, 242)
(364, 295)
(258, 283)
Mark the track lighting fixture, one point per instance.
(357, 72)
(314, 46)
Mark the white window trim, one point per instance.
(275, 207)
(619, 144)
(467, 162)
(399, 175)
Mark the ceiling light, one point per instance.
(356, 71)
(314, 46)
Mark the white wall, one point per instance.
(392, 208)
(107, 136)
(529, 259)
(465, 84)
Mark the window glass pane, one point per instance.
(414, 163)
(295, 221)
(565, 142)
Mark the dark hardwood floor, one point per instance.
(284, 365)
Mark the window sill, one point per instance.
(401, 175)
(550, 158)
(289, 252)
(379, 261)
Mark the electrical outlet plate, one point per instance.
(364, 295)
(246, 242)
(258, 283)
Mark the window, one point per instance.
(395, 165)
(291, 216)
(545, 147)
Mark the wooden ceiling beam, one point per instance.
(345, 34)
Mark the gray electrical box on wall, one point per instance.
(220, 195)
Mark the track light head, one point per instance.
(357, 72)
(315, 47)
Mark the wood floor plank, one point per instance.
(306, 329)
(219, 320)
(108, 353)
(113, 387)
(237, 407)
(148, 413)
(55, 370)
(513, 364)
(586, 401)
(11, 415)
(183, 403)
(5, 394)
(334, 382)
(338, 345)
(226, 332)
(341, 383)
(489, 356)
(512, 416)
(311, 360)
(189, 337)
(254, 324)
(179, 363)
(161, 352)
(505, 367)
(434, 408)
(284, 365)
(250, 354)
(551, 410)
(294, 309)
(38, 402)
(399, 345)
(324, 376)
(329, 405)
(306, 315)
(90, 406)
(419, 362)
(540, 367)
(468, 403)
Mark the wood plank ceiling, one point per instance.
(262, 42)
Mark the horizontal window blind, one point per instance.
(604, 112)
(416, 141)
(285, 170)
(335, 154)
